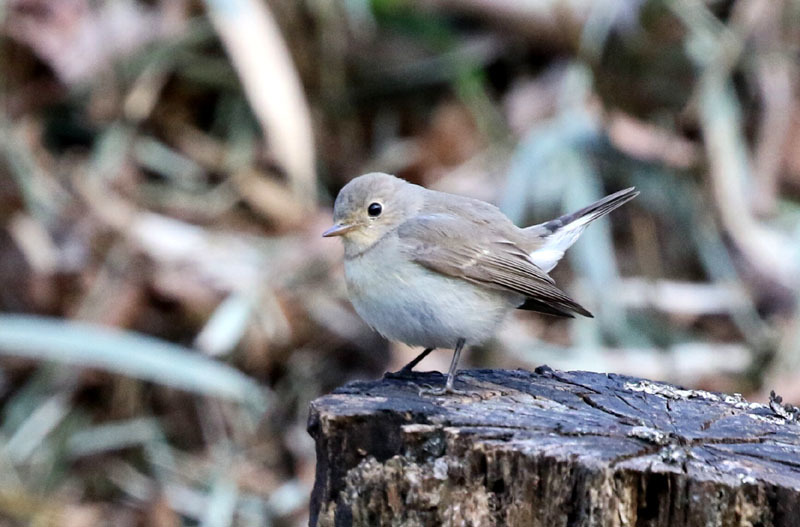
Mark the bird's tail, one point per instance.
(559, 234)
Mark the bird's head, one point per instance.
(371, 206)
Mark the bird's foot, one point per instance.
(427, 389)
(405, 371)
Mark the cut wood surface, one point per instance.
(551, 448)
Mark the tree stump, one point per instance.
(550, 448)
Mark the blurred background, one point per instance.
(167, 167)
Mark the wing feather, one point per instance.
(441, 242)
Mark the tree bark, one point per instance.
(550, 448)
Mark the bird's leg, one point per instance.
(410, 366)
(405, 370)
(451, 376)
(451, 373)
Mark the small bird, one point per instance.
(439, 270)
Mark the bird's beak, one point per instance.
(338, 230)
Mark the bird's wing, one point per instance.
(482, 255)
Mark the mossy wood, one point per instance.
(550, 448)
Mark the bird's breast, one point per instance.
(407, 302)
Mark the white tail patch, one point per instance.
(548, 255)
(559, 234)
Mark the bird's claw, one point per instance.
(427, 389)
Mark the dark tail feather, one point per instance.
(589, 213)
(557, 309)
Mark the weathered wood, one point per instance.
(552, 449)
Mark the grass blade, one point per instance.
(126, 353)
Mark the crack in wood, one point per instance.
(627, 403)
(794, 465)
(563, 379)
(587, 398)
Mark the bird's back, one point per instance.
(487, 221)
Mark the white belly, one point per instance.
(411, 304)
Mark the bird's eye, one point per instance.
(374, 209)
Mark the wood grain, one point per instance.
(550, 448)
